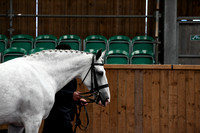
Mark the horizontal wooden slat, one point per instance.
(126, 67)
(153, 67)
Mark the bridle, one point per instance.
(95, 90)
(95, 87)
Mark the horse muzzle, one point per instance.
(103, 99)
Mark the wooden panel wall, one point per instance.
(188, 8)
(4, 21)
(24, 25)
(149, 99)
(80, 26)
(87, 26)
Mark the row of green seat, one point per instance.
(118, 47)
(15, 52)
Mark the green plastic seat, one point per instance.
(22, 41)
(3, 45)
(144, 43)
(73, 41)
(93, 43)
(143, 38)
(94, 51)
(141, 57)
(119, 42)
(45, 41)
(117, 57)
(35, 50)
(13, 52)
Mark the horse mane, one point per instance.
(50, 53)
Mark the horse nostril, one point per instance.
(100, 73)
(108, 100)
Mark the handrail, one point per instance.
(153, 67)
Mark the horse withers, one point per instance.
(28, 85)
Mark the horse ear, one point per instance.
(98, 55)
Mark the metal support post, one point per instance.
(11, 15)
(170, 35)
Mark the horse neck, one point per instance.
(64, 67)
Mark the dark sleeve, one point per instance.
(67, 91)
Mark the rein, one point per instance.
(87, 95)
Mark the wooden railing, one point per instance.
(148, 99)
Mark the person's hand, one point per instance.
(76, 96)
(83, 102)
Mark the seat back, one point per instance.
(93, 43)
(141, 57)
(22, 41)
(117, 57)
(45, 41)
(73, 41)
(13, 52)
(35, 50)
(144, 44)
(119, 42)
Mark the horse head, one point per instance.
(96, 81)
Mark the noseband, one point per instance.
(95, 87)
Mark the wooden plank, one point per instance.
(156, 101)
(147, 101)
(96, 118)
(126, 20)
(138, 101)
(105, 111)
(153, 67)
(197, 101)
(73, 21)
(190, 102)
(181, 102)
(79, 20)
(131, 20)
(91, 21)
(164, 102)
(109, 20)
(84, 119)
(84, 21)
(186, 67)
(130, 124)
(105, 116)
(121, 101)
(139, 67)
(102, 7)
(113, 84)
(173, 101)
